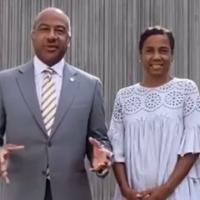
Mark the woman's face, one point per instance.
(156, 56)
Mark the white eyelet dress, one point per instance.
(150, 128)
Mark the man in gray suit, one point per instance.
(43, 155)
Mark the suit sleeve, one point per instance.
(96, 126)
(2, 118)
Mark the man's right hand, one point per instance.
(4, 155)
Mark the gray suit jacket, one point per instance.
(80, 114)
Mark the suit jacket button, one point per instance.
(49, 144)
(44, 172)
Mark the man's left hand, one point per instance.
(101, 158)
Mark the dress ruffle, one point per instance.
(190, 141)
(116, 138)
(191, 144)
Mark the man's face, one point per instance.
(156, 56)
(50, 36)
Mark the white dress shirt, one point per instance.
(39, 67)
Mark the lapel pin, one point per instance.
(72, 79)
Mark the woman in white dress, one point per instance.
(155, 129)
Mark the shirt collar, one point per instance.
(39, 66)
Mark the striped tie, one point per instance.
(48, 100)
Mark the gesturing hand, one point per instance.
(4, 155)
(101, 158)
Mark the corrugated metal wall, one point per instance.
(105, 37)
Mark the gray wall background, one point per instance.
(105, 36)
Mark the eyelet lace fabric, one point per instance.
(150, 127)
(174, 95)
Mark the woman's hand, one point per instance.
(157, 193)
(131, 194)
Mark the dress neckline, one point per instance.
(156, 87)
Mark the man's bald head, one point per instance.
(51, 35)
(53, 10)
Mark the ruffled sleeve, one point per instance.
(191, 136)
(116, 130)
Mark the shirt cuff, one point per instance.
(102, 173)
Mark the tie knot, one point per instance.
(48, 72)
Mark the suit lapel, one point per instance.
(26, 83)
(69, 88)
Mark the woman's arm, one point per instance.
(121, 177)
(182, 168)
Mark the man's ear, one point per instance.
(68, 41)
(172, 58)
(32, 34)
(140, 59)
